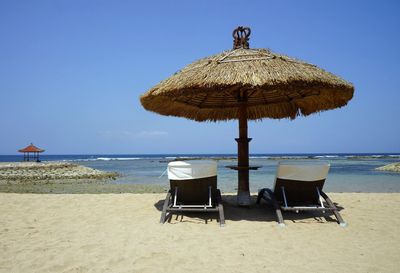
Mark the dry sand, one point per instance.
(121, 233)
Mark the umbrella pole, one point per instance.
(243, 195)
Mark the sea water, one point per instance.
(348, 172)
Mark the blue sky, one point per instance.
(71, 73)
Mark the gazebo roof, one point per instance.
(31, 149)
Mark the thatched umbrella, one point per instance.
(247, 84)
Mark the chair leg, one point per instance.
(339, 218)
(278, 212)
(165, 207)
(220, 209)
(221, 215)
(277, 208)
(260, 195)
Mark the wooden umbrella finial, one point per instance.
(241, 37)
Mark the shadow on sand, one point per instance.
(257, 213)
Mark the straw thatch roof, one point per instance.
(277, 87)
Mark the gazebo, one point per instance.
(31, 149)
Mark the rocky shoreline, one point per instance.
(49, 172)
(394, 167)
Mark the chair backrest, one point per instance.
(300, 180)
(193, 179)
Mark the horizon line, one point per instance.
(308, 153)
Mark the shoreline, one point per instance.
(81, 188)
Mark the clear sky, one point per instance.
(71, 73)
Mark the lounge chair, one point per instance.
(298, 187)
(193, 187)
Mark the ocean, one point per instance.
(348, 172)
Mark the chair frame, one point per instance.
(278, 199)
(212, 204)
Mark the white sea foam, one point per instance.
(372, 156)
(102, 159)
(117, 158)
(290, 157)
(72, 160)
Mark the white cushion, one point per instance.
(302, 170)
(192, 169)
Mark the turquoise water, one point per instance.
(348, 173)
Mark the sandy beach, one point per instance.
(121, 233)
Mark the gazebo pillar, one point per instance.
(243, 194)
